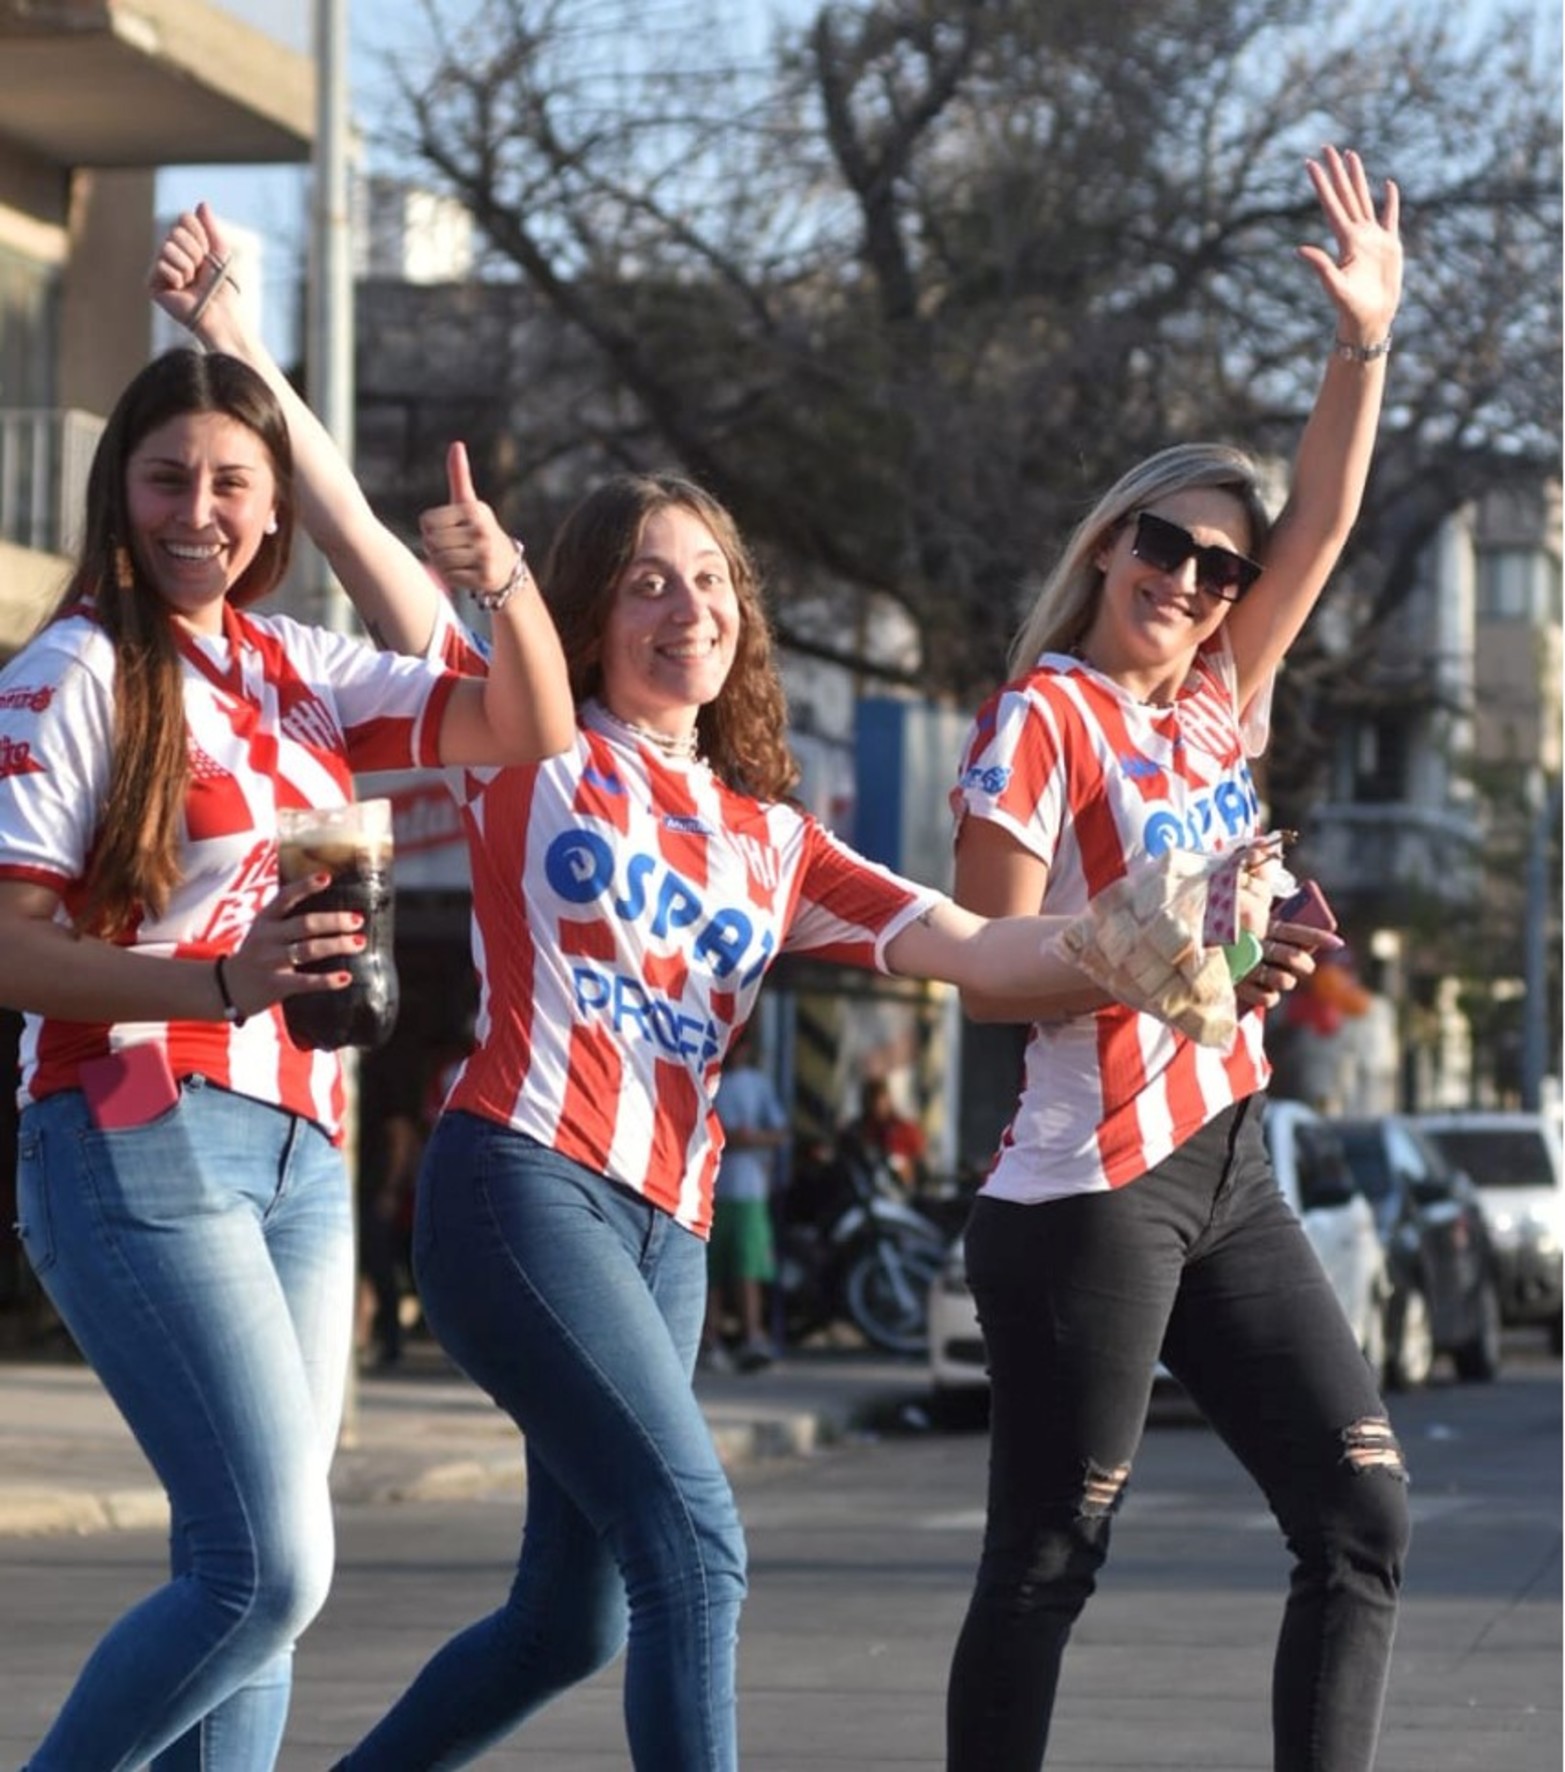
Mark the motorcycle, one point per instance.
(852, 1246)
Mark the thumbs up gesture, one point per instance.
(463, 539)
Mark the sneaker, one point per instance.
(754, 1355)
(715, 1358)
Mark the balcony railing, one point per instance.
(1365, 851)
(45, 453)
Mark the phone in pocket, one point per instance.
(1308, 906)
(128, 1088)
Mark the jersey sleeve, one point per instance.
(848, 908)
(56, 745)
(1011, 771)
(1254, 719)
(388, 706)
(453, 644)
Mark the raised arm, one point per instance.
(1364, 282)
(526, 708)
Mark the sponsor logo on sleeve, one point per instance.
(31, 701)
(987, 778)
(16, 757)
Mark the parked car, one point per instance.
(1317, 1183)
(1514, 1161)
(1444, 1295)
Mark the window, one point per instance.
(1518, 584)
(1381, 760)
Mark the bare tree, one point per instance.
(909, 283)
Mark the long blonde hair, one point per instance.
(1063, 610)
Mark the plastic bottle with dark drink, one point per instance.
(353, 844)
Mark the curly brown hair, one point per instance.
(741, 730)
(135, 861)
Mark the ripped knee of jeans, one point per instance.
(1369, 1444)
(1102, 1490)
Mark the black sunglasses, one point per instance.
(1220, 572)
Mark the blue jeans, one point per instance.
(204, 1265)
(578, 1306)
(1201, 1259)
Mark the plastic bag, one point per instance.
(1158, 938)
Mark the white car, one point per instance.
(1317, 1183)
(1513, 1159)
(1313, 1172)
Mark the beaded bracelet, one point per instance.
(493, 600)
(1352, 353)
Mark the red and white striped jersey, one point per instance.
(277, 714)
(625, 910)
(1088, 779)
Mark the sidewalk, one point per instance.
(69, 1464)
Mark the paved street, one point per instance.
(861, 1556)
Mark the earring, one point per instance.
(124, 570)
(271, 524)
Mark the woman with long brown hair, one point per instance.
(182, 1194)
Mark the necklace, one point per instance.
(686, 746)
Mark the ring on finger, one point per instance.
(295, 952)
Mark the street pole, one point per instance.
(329, 348)
(329, 375)
(1541, 795)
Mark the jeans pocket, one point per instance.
(34, 1225)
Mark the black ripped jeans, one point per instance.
(1202, 1260)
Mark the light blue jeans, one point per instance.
(578, 1307)
(204, 1264)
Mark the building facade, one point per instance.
(95, 96)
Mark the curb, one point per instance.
(37, 1513)
(360, 1479)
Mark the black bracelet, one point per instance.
(230, 1007)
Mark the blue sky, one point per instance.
(272, 200)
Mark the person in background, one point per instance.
(628, 900)
(182, 1194)
(881, 1132)
(1131, 1211)
(385, 1222)
(741, 1259)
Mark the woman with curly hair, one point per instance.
(628, 898)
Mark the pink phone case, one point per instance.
(1308, 906)
(128, 1088)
